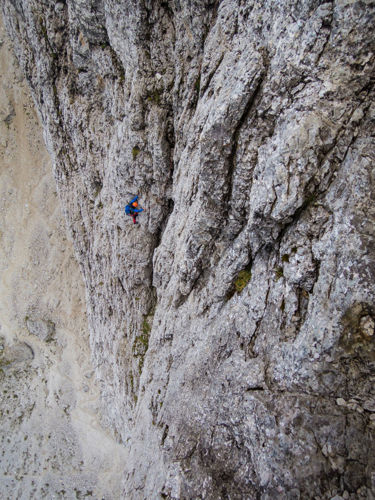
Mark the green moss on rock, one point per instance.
(279, 272)
(154, 97)
(140, 345)
(146, 328)
(135, 152)
(241, 281)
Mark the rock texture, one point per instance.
(52, 442)
(232, 331)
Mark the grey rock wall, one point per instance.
(51, 439)
(232, 330)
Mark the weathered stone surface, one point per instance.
(247, 129)
(18, 354)
(44, 329)
(51, 438)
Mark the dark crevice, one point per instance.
(326, 24)
(165, 434)
(181, 299)
(170, 140)
(169, 207)
(369, 85)
(196, 92)
(168, 10)
(347, 151)
(121, 285)
(303, 298)
(212, 9)
(250, 347)
(211, 75)
(291, 90)
(232, 156)
(317, 263)
(169, 203)
(117, 64)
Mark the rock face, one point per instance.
(52, 441)
(232, 330)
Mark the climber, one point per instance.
(132, 209)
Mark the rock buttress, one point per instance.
(233, 329)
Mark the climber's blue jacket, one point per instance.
(129, 209)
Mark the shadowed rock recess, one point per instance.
(232, 330)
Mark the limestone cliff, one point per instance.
(232, 330)
(52, 442)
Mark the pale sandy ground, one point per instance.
(52, 443)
